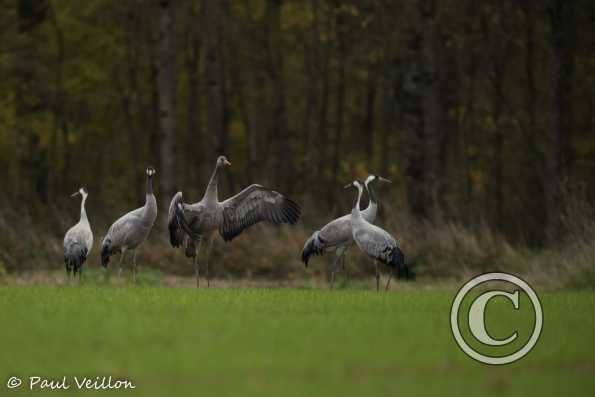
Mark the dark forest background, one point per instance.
(481, 112)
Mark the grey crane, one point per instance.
(336, 235)
(78, 240)
(129, 231)
(191, 224)
(376, 243)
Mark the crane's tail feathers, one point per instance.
(313, 246)
(74, 257)
(105, 252)
(173, 232)
(405, 273)
(402, 270)
(176, 234)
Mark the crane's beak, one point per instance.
(348, 186)
(227, 163)
(74, 194)
(384, 179)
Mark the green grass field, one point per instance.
(251, 342)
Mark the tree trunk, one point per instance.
(215, 85)
(340, 106)
(322, 132)
(448, 128)
(153, 128)
(536, 219)
(194, 139)
(390, 112)
(498, 47)
(283, 163)
(368, 125)
(167, 96)
(498, 161)
(431, 110)
(414, 146)
(130, 98)
(58, 105)
(469, 73)
(312, 66)
(560, 146)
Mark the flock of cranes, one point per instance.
(192, 225)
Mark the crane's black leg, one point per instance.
(343, 266)
(196, 268)
(390, 275)
(196, 271)
(120, 265)
(106, 275)
(335, 267)
(209, 245)
(334, 271)
(134, 266)
(343, 261)
(377, 276)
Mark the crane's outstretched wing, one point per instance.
(255, 204)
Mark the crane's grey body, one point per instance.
(337, 236)
(133, 228)
(191, 224)
(78, 240)
(376, 243)
(130, 230)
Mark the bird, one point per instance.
(376, 242)
(336, 235)
(130, 230)
(78, 240)
(191, 224)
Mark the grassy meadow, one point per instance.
(292, 342)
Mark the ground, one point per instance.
(296, 342)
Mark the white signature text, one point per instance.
(80, 383)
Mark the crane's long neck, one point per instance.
(371, 194)
(83, 212)
(355, 212)
(211, 194)
(150, 208)
(369, 213)
(149, 185)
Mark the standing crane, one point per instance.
(336, 235)
(376, 243)
(128, 232)
(78, 240)
(191, 224)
